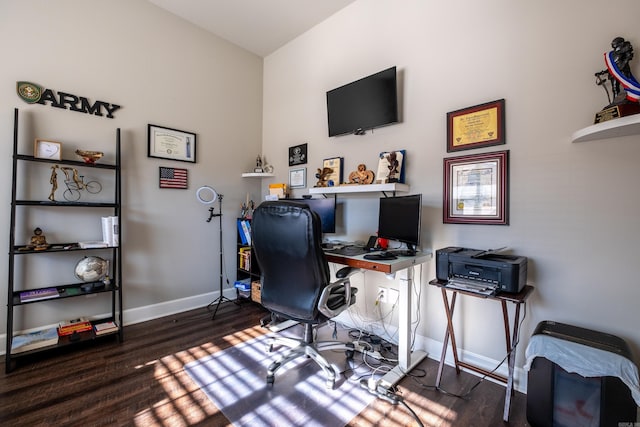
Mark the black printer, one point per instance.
(506, 273)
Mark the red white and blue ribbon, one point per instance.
(630, 84)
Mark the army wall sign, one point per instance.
(32, 93)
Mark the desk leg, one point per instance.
(448, 334)
(511, 358)
(406, 360)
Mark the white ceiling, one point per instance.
(260, 26)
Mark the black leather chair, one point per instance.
(296, 279)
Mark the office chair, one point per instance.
(296, 280)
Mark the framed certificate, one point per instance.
(335, 177)
(476, 189)
(474, 127)
(172, 144)
(298, 178)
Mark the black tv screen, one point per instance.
(364, 104)
(399, 219)
(326, 210)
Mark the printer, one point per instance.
(482, 268)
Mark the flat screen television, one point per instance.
(399, 219)
(326, 210)
(363, 104)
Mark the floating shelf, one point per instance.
(365, 188)
(257, 175)
(622, 126)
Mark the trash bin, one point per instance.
(579, 377)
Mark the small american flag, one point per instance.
(173, 178)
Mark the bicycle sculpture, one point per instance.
(74, 183)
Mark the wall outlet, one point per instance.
(382, 294)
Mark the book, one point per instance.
(34, 340)
(68, 327)
(105, 327)
(39, 294)
(92, 244)
(111, 230)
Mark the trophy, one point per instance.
(625, 89)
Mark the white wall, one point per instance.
(161, 70)
(573, 207)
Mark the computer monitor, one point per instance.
(326, 210)
(399, 219)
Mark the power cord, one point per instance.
(373, 386)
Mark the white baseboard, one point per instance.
(150, 312)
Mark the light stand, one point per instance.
(215, 196)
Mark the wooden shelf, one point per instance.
(366, 188)
(257, 175)
(622, 126)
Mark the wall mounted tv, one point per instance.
(364, 104)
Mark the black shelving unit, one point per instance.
(244, 271)
(69, 290)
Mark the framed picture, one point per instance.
(476, 189)
(335, 177)
(173, 178)
(298, 178)
(47, 149)
(298, 155)
(390, 167)
(475, 127)
(172, 144)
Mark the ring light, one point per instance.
(206, 195)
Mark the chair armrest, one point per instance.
(341, 288)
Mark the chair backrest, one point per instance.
(286, 242)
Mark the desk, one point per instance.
(511, 338)
(406, 360)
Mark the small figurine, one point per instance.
(38, 241)
(54, 182)
(258, 168)
(625, 89)
(361, 176)
(392, 158)
(323, 176)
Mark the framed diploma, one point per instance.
(298, 178)
(475, 127)
(476, 189)
(172, 144)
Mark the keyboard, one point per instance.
(381, 256)
(348, 251)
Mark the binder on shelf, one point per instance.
(243, 239)
(246, 226)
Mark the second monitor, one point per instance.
(399, 219)
(325, 208)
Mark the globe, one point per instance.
(91, 269)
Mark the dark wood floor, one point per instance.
(141, 382)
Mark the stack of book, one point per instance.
(39, 294)
(244, 261)
(34, 340)
(105, 327)
(68, 327)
